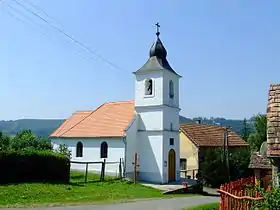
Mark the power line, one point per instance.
(18, 11)
(70, 37)
(14, 16)
(45, 13)
(28, 24)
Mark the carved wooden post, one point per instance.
(86, 175)
(135, 163)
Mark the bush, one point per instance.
(210, 206)
(26, 139)
(271, 200)
(30, 165)
(213, 167)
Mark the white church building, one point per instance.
(147, 125)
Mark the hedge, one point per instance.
(31, 165)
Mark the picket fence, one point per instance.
(240, 194)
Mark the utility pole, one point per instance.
(225, 151)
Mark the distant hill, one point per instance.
(44, 127)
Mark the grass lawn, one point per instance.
(34, 194)
(210, 206)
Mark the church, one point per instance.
(147, 126)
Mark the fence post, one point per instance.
(86, 173)
(120, 169)
(102, 175)
(103, 178)
(193, 174)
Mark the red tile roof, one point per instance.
(210, 135)
(108, 120)
(113, 118)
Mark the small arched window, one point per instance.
(149, 87)
(104, 150)
(79, 149)
(171, 89)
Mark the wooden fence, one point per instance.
(240, 194)
(102, 167)
(189, 173)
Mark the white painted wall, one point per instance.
(166, 147)
(156, 98)
(131, 147)
(151, 118)
(156, 113)
(91, 152)
(171, 115)
(150, 156)
(167, 76)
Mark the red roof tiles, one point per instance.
(210, 135)
(108, 120)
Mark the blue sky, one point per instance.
(227, 52)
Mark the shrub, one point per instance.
(26, 139)
(213, 167)
(30, 165)
(271, 199)
(210, 206)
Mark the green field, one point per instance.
(77, 192)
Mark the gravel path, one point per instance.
(159, 204)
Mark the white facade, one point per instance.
(158, 123)
(91, 152)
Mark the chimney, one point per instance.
(273, 121)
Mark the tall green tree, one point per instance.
(259, 136)
(245, 132)
(4, 141)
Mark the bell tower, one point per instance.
(157, 105)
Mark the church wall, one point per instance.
(171, 115)
(150, 156)
(153, 118)
(167, 76)
(131, 147)
(166, 148)
(156, 97)
(91, 152)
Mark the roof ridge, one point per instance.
(119, 102)
(81, 120)
(203, 124)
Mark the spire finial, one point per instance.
(158, 26)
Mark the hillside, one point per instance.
(43, 127)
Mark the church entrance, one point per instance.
(171, 165)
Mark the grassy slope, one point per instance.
(75, 193)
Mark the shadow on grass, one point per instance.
(210, 194)
(110, 181)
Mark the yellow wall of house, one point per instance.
(188, 151)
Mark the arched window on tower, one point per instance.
(79, 149)
(104, 150)
(149, 87)
(171, 89)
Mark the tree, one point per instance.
(245, 132)
(26, 139)
(259, 136)
(4, 141)
(214, 169)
